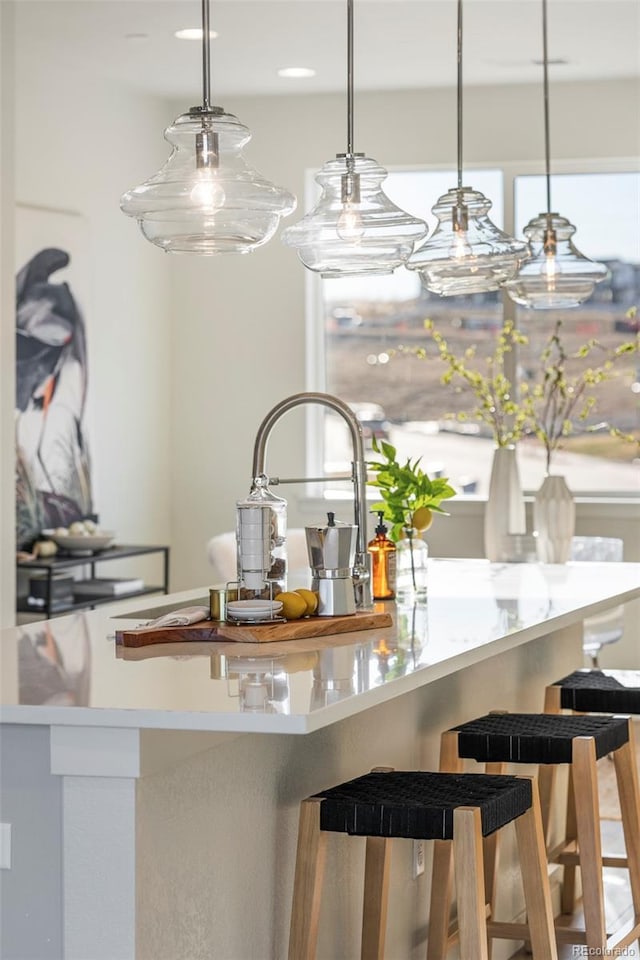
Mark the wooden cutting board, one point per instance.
(308, 627)
(141, 636)
(246, 633)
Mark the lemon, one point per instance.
(422, 518)
(293, 605)
(310, 598)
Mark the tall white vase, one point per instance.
(554, 520)
(504, 514)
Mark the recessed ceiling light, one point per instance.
(294, 73)
(136, 36)
(193, 33)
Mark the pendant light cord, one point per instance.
(545, 67)
(349, 78)
(459, 94)
(206, 57)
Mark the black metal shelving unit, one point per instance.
(62, 561)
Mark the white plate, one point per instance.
(81, 544)
(253, 609)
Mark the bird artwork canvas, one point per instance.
(53, 467)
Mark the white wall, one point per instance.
(245, 349)
(7, 322)
(79, 145)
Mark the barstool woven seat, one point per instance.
(420, 805)
(616, 691)
(456, 810)
(537, 737)
(550, 739)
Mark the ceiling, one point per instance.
(399, 44)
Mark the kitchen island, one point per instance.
(153, 792)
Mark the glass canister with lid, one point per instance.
(261, 537)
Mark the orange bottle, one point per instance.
(383, 562)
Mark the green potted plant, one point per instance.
(409, 500)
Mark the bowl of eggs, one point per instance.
(81, 536)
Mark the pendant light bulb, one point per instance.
(206, 198)
(460, 249)
(557, 276)
(350, 226)
(207, 193)
(466, 253)
(550, 267)
(354, 229)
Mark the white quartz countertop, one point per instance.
(69, 670)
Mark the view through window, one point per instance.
(374, 327)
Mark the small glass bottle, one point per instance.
(412, 564)
(383, 562)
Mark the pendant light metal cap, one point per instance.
(224, 207)
(342, 237)
(466, 253)
(557, 278)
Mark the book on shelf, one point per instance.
(60, 585)
(107, 586)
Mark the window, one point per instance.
(604, 207)
(365, 323)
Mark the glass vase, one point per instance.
(504, 514)
(554, 520)
(412, 559)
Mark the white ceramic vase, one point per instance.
(504, 515)
(554, 520)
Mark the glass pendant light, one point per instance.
(466, 253)
(207, 199)
(354, 229)
(557, 276)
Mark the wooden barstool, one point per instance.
(458, 810)
(549, 740)
(593, 691)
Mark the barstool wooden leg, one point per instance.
(585, 782)
(629, 794)
(307, 885)
(376, 892)
(440, 904)
(533, 864)
(547, 771)
(376, 897)
(442, 872)
(490, 851)
(568, 892)
(469, 872)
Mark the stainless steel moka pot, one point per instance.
(331, 552)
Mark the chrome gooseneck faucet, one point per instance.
(362, 566)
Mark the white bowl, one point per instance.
(86, 543)
(253, 609)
